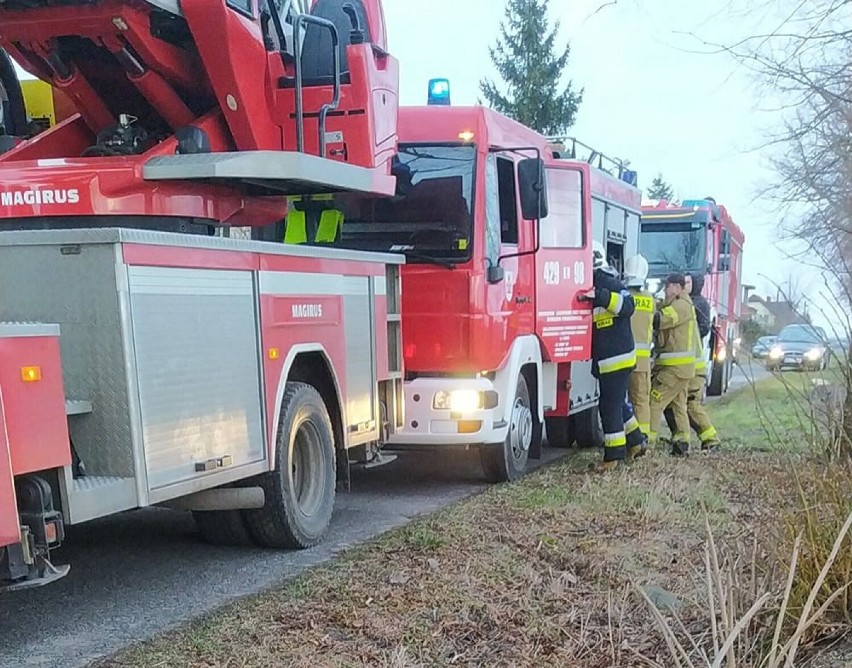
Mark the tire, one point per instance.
(587, 428)
(716, 386)
(508, 462)
(300, 491)
(559, 432)
(223, 527)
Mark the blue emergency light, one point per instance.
(439, 92)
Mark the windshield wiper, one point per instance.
(428, 259)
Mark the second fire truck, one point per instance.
(699, 236)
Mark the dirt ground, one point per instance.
(543, 572)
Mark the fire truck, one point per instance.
(145, 357)
(496, 342)
(700, 236)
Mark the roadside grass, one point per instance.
(563, 568)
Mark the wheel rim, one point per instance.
(305, 474)
(520, 435)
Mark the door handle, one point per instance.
(522, 300)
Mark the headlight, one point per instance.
(776, 352)
(721, 355)
(813, 354)
(459, 401)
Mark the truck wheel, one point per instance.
(509, 461)
(587, 428)
(716, 387)
(559, 432)
(223, 527)
(300, 491)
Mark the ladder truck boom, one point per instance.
(291, 104)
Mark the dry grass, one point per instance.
(561, 569)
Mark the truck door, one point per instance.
(509, 302)
(564, 266)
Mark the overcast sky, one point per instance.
(654, 94)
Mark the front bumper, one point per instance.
(429, 426)
(794, 360)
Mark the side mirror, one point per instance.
(403, 175)
(495, 274)
(533, 188)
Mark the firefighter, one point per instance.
(642, 324)
(613, 359)
(698, 418)
(674, 367)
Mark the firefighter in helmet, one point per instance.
(698, 418)
(642, 324)
(674, 366)
(613, 359)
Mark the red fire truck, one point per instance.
(495, 341)
(145, 358)
(700, 236)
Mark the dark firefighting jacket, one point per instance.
(612, 337)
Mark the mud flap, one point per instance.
(49, 575)
(535, 449)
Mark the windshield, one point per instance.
(672, 247)
(801, 334)
(432, 218)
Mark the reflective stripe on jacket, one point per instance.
(612, 338)
(676, 336)
(642, 326)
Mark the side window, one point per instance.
(563, 227)
(242, 6)
(507, 190)
(492, 211)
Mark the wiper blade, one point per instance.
(428, 259)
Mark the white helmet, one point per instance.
(599, 256)
(635, 271)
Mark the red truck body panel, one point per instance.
(33, 426)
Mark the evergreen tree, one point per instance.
(528, 62)
(660, 189)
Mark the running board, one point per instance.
(271, 172)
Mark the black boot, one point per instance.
(680, 448)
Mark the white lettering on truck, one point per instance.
(37, 197)
(307, 310)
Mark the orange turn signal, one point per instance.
(30, 374)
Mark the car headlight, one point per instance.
(459, 401)
(722, 354)
(813, 354)
(776, 352)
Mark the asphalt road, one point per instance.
(147, 571)
(749, 372)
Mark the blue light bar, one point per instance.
(688, 203)
(439, 92)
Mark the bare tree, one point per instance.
(805, 61)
